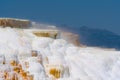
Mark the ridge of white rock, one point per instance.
(26, 56)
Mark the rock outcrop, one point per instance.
(44, 32)
(14, 23)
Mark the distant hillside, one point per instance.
(99, 37)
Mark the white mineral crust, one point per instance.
(75, 63)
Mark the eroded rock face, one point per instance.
(14, 23)
(44, 33)
(52, 34)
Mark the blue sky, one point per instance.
(92, 13)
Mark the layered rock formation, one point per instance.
(14, 23)
(44, 33)
(52, 33)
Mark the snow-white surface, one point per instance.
(77, 63)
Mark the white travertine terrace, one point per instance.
(27, 56)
